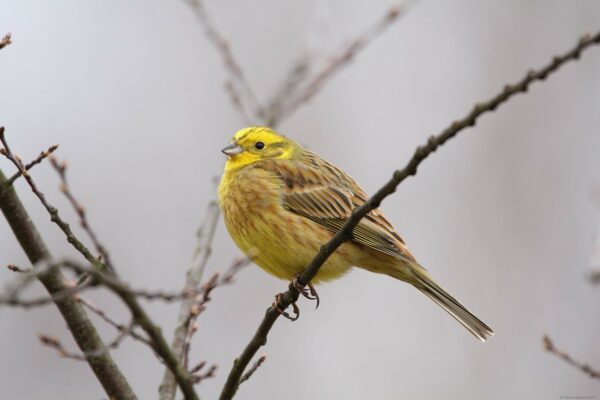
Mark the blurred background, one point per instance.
(503, 216)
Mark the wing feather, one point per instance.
(327, 196)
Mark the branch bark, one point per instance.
(345, 233)
(82, 329)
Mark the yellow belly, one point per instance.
(282, 243)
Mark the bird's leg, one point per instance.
(310, 294)
(276, 306)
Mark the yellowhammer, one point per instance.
(281, 202)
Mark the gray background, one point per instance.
(502, 216)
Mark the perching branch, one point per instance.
(345, 233)
(82, 329)
(585, 368)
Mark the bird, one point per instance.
(282, 202)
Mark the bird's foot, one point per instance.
(310, 293)
(277, 307)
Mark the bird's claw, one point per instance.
(310, 293)
(277, 307)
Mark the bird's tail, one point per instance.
(435, 292)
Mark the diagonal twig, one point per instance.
(421, 153)
(585, 368)
(241, 93)
(285, 103)
(253, 369)
(61, 169)
(6, 40)
(41, 157)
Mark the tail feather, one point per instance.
(443, 299)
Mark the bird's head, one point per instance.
(257, 143)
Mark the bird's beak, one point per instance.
(232, 149)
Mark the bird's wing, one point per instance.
(319, 191)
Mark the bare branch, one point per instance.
(6, 40)
(33, 163)
(83, 331)
(16, 268)
(53, 211)
(199, 376)
(290, 98)
(141, 318)
(585, 368)
(345, 233)
(193, 305)
(241, 94)
(205, 235)
(125, 329)
(61, 169)
(253, 369)
(199, 301)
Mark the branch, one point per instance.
(241, 94)
(140, 317)
(126, 330)
(585, 368)
(82, 329)
(61, 169)
(43, 155)
(6, 40)
(206, 234)
(252, 369)
(284, 104)
(53, 211)
(199, 301)
(345, 233)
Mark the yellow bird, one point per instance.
(281, 202)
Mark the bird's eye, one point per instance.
(259, 145)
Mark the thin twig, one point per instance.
(200, 300)
(206, 234)
(80, 326)
(127, 330)
(11, 297)
(345, 233)
(585, 368)
(253, 369)
(16, 268)
(53, 211)
(6, 40)
(61, 169)
(55, 344)
(199, 376)
(238, 87)
(284, 105)
(33, 163)
(141, 318)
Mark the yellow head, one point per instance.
(257, 143)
